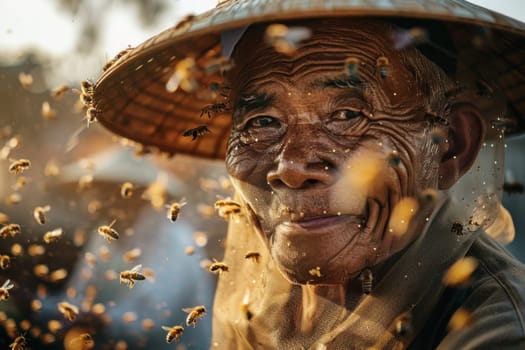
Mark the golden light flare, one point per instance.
(402, 215)
(459, 273)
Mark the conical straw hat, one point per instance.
(131, 98)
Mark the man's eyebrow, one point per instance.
(342, 82)
(253, 102)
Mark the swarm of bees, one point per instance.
(218, 267)
(226, 208)
(174, 333)
(194, 314)
(174, 210)
(19, 166)
(10, 230)
(108, 232)
(4, 290)
(196, 132)
(39, 213)
(366, 278)
(69, 311)
(129, 277)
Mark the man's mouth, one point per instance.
(318, 224)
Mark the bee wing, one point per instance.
(136, 268)
(166, 328)
(187, 309)
(7, 285)
(112, 223)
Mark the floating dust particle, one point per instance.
(402, 215)
(200, 238)
(21, 182)
(17, 249)
(35, 332)
(459, 273)
(225, 183)
(205, 210)
(91, 259)
(208, 185)
(52, 168)
(36, 305)
(315, 271)
(71, 292)
(25, 325)
(98, 309)
(40, 270)
(13, 198)
(110, 275)
(79, 237)
(147, 324)
(156, 192)
(462, 318)
(36, 250)
(132, 254)
(104, 253)
(129, 317)
(58, 275)
(47, 112)
(53, 235)
(54, 326)
(25, 79)
(41, 291)
(85, 182)
(189, 250)
(10, 328)
(4, 219)
(87, 164)
(85, 274)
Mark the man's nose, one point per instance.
(303, 163)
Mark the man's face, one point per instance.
(321, 154)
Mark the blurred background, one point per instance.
(78, 169)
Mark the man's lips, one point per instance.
(318, 223)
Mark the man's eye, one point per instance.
(261, 122)
(345, 114)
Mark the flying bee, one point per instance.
(226, 208)
(53, 235)
(26, 80)
(351, 67)
(254, 256)
(108, 232)
(123, 52)
(18, 166)
(457, 228)
(245, 305)
(4, 290)
(215, 109)
(5, 262)
(39, 213)
(174, 333)
(131, 276)
(59, 91)
(195, 313)
(382, 64)
(221, 65)
(91, 115)
(183, 76)
(48, 113)
(21, 182)
(409, 37)
(86, 99)
(10, 229)
(366, 281)
(286, 39)
(403, 325)
(512, 187)
(460, 319)
(196, 132)
(19, 343)
(126, 190)
(218, 267)
(69, 311)
(174, 210)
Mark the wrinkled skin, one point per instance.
(298, 125)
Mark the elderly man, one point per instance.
(347, 144)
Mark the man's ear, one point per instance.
(465, 136)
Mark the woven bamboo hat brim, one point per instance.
(132, 101)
